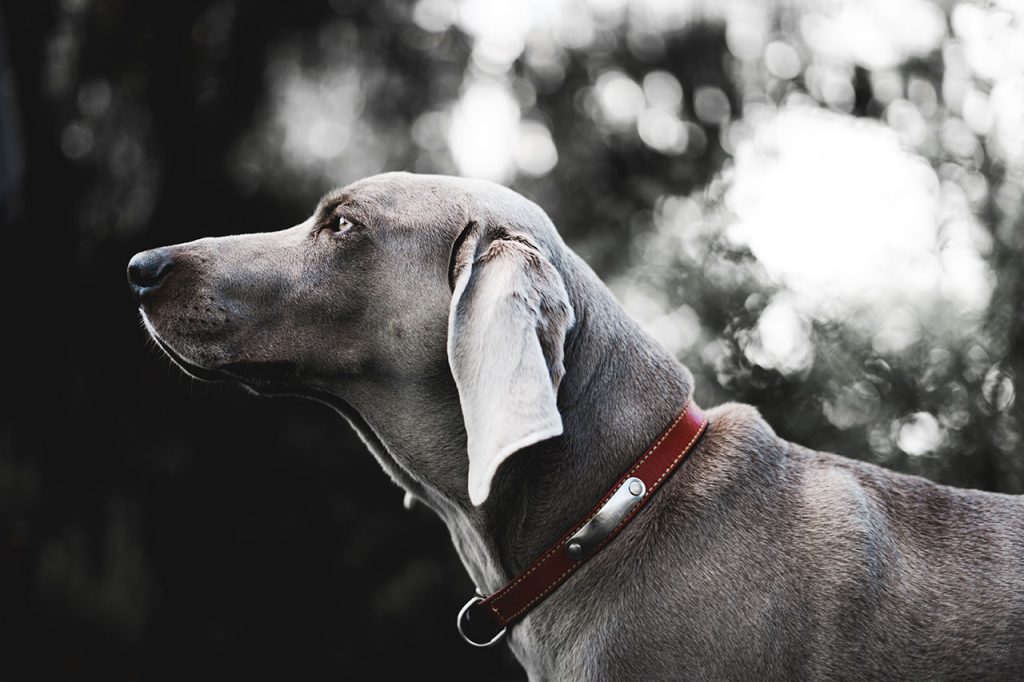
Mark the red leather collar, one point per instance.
(483, 620)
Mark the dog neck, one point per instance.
(621, 389)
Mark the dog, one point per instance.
(497, 380)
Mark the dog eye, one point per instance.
(343, 225)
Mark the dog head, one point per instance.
(395, 281)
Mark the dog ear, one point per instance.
(507, 323)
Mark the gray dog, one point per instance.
(498, 381)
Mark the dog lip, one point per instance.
(190, 368)
(246, 371)
(249, 372)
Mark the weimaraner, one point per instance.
(511, 405)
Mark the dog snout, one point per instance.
(146, 270)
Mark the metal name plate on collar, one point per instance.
(607, 518)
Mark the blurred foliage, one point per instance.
(155, 528)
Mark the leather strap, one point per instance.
(483, 620)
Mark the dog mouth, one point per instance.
(193, 370)
(257, 374)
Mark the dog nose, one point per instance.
(148, 269)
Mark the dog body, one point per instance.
(496, 379)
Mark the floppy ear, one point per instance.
(507, 323)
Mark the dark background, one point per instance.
(152, 527)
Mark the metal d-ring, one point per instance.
(476, 599)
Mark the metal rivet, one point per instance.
(574, 549)
(636, 487)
